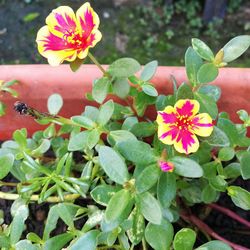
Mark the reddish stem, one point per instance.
(205, 228)
(230, 213)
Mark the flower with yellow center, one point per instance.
(180, 124)
(67, 36)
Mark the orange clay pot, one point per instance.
(38, 82)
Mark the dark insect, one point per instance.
(21, 108)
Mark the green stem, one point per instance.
(52, 199)
(93, 59)
(144, 244)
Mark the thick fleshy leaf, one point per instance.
(113, 165)
(119, 207)
(100, 89)
(207, 104)
(106, 111)
(207, 73)
(75, 65)
(193, 63)
(149, 90)
(137, 151)
(121, 87)
(209, 195)
(202, 49)
(83, 121)
(226, 154)
(149, 207)
(186, 167)
(55, 103)
(136, 232)
(103, 193)
(124, 67)
(78, 141)
(236, 47)
(147, 178)
(184, 92)
(149, 70)
(218, 138)
(88, 240)
(214, 244)
(239, 196)
(166, 189)
(143, 129)
(159, 237)
(244, 165)
(57, 242)
(6, 163)
(184, 239)
(210, 90)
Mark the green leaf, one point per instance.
(233, 170)
(226, 154)
(20, 136)
(149, 70)
(117, 136)
(78, 141)
(184, 92)
(129, 122)
(166, 189)
(17, 224)
(210, 90)
(192, 63)
(88, 240)
(91, 112)
(162, 101)
(207, 73)
(124, 67)
(136, 232)
(76, 64)
(51, 222)
(106, 111)
(57, 242)
(113, 165)
(184, 239)
(214, 244)
(236, 47)
(218, 183)
(25, 245)
(186, 167)
(100, 89)
(244, 165)
(209, 195)
(43, 147)
(55, 103)
(143, 129)
(137, 151)
(202, 49)
(147, 178)
(6, 163)
(218, 138)
(149, 207)
(121, 87)
(84, 121)
(159, 237)
(230, 130)
(93, 138)
(50, 131)
(119, 207)
(103, 193)
(2, 108)
(207, 104)
(142, 101)
(66, 214)
(149, 90)
(239, 196)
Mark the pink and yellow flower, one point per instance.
(166, 166)
(67, 36)
(180, 124)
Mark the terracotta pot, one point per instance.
(38, 82)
